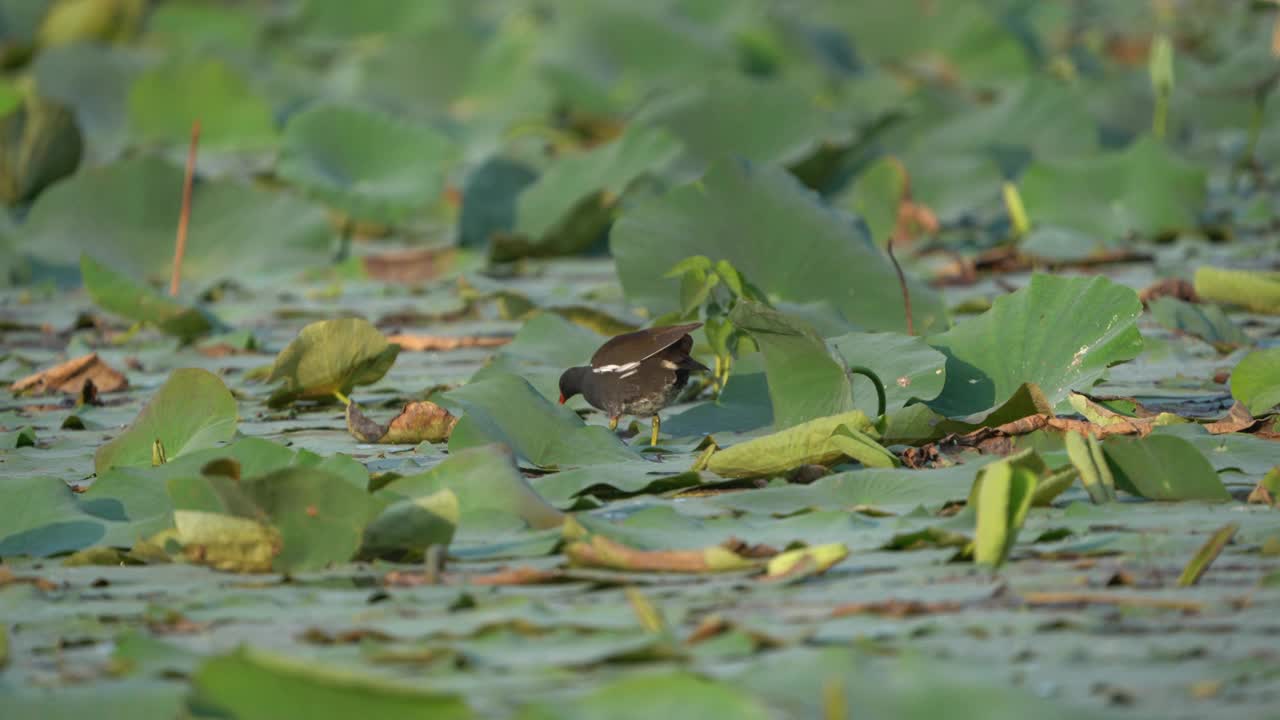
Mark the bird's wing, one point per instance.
(636, 347)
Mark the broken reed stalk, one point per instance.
(184, 219)
(902, 282)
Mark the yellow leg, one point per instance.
(657, 424)
(613, 423)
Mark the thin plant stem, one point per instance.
(184, 219)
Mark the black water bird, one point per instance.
(638, 374)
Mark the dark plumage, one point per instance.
(638, 373)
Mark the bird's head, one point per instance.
(571, 382)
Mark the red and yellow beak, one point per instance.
(562, 398)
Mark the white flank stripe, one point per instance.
(616, 368)
(628, 373)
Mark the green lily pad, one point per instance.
(547, 344)
(1145, 189)
(168, 99)
(604, 61)
(676, 695)
(42, 518)
(763, 121)
(93, 81)
(970, 38)
(133, 500)
(1060, 333)
(876, 196)
(1162, 467)
(567, 208)
(319, 517)
(14, 439)
(118, 295)
(822, 441)
(489, 199)
(1255, 381)
(338, 20)
(1207, 322)
(371, 166)
(805, 380)
(484, 480)
(827, 257)
(328, 357)
(624, 478)
(194, 25)
(505, 408)
(413, 525)
(909, 368)
(41, 145)
(256, 685)
(235, 227)
(193, 410)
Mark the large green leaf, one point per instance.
(193, 410)
(328, 357)
(340, 20)
(94, 81)
(1163, 467)
(767, 122)
(125, 215)
(256, 685)
(1145, 189)
(505, 408)
(40, 517)
(1255, 381)
(805, 381)
(790, 245)
(166, 100)
(371, 166)
(1207, 322)
(543, 348)
(135, 503)
(674, 695)
(567, 208)
(319, 517)
(1060, 333)
(413, 524)
(119, 295)
(909, 368)
(39, 143)
(970, 38)
(196, 25)
(823, 441)
(484, 480)
(607, 59)
(616, 479)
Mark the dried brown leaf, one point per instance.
(600, 551)
(1238, 419)
(409, 266)
(419, 421)
(1179, 288)
(442, 343)
(897, 608)
(1036, 599)
(70, 378)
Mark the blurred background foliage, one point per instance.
(522, 128)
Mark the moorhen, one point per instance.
(638, 373)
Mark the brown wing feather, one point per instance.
(641, 344)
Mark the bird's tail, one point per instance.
(688, 363)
